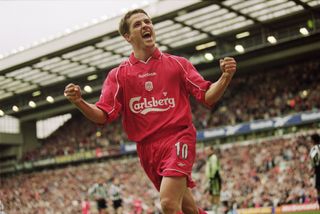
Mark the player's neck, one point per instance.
(143, 54)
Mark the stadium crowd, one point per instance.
(268, 173)
(78, 134)
(267, 94)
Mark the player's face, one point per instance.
(209, 151)
(141, 33)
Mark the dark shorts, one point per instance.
(318, 182)
(170, 155)
(215, 188)
(117, 203)
(101, 203)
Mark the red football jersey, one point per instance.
(153, 96)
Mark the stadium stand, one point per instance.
(264, 173)
(276, 83)
(267, 94)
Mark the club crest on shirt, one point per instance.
(148, 85)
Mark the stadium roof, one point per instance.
(33, 80)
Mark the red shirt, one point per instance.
(153, 96)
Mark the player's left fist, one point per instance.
(228, 65)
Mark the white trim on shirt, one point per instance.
(187, 73)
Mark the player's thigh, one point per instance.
(188, 202)
(173, 189)
(119, 210)
(216, 199)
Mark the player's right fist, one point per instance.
(228, 65)
(73, 93)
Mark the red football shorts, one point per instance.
(169, 154)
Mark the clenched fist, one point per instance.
(73, 93)
(228, 65)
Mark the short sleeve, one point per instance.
(194, 82)
(109, 100)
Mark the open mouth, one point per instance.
(146, 35)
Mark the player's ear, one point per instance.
(127, 37)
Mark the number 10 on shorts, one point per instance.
(183, 148)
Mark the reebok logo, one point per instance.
(143, 106)
(181, 164)
(147, 75)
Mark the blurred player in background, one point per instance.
(1, 208)
(315, 160)
(212, 173)
(115, 195)
(98, 193)
(151, 90)
(85, 206)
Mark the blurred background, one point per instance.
(50, 155)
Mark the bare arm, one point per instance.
(73, 93)
(217, 89)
